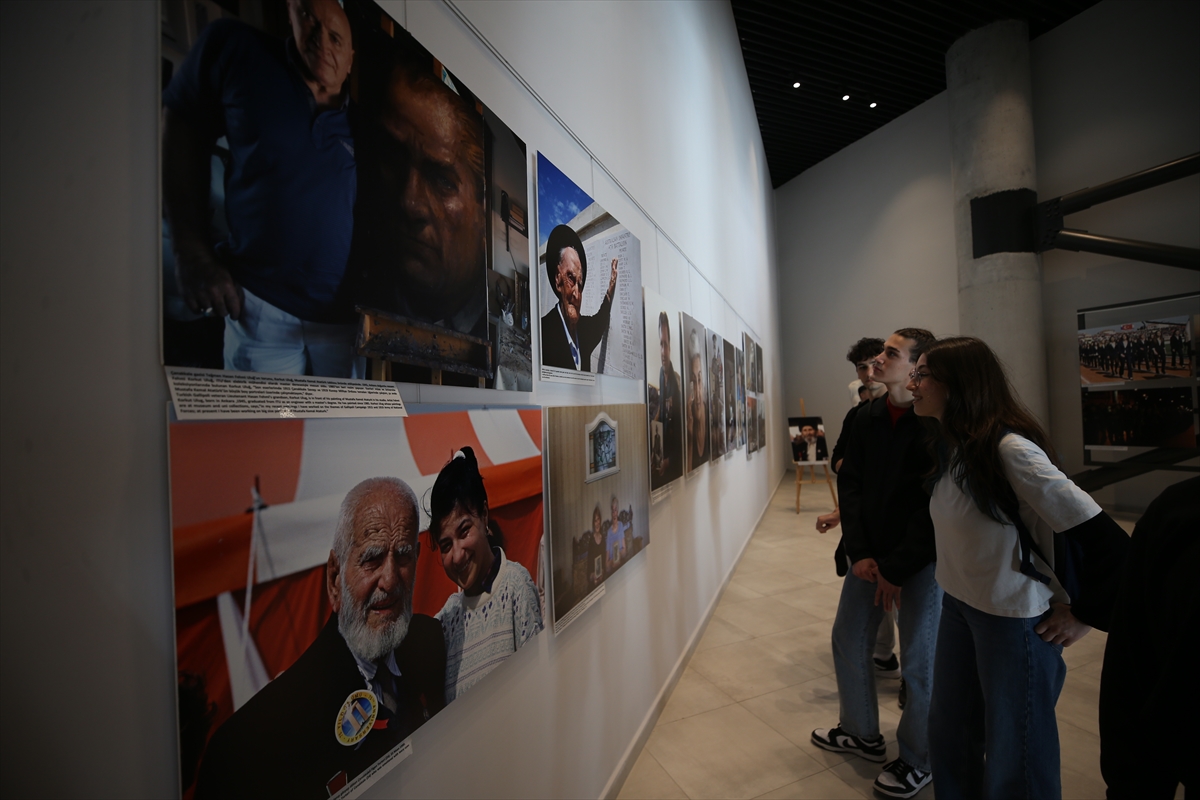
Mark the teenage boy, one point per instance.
(861, 354)
(887, 540)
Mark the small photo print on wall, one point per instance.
(716, 393)
(752, 423)
(695, 388)
(740, 372)
(268, 671)
(806, 435)
(591, 319)
(665, 407)
(599, 502)
(348, 253)
(731, 434)
(751, 370)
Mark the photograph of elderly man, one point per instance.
(281, 742)
(358, 619)
(589, 326)
(421, 227)
(568, 337)
(255, 249)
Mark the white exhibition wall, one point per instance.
(657, 93)
(866, 237)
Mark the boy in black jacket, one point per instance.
(887, 549)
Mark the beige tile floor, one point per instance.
(738, 723)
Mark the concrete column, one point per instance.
(991, 145)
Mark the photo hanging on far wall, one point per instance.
(349, 252)
(1138, 376)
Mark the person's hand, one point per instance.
(1061, 627)
(865, 569)
(612, 281)
(827, 521)
(887, 592)
(207, 287)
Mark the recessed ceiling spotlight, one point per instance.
(796, 85)
(845, 97)
(873, 104)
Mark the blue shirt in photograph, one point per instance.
(290, 185)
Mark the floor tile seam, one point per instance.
(731, 702)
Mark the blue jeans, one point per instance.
(992, 727)
(269, 339)
(854, 632)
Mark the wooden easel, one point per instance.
(812, 472)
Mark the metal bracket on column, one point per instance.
(1052, 235)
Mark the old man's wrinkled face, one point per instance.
(568, 282)
(433, 198)
(372, 591)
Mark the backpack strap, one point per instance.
(1028, 545)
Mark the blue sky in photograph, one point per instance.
(559, 199)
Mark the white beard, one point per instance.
(365, 642)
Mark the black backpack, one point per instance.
(1088, 561)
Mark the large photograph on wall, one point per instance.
(664, 390)
(338, 582)
(599, 504)
(1138, 377)
(591, 318)
(336, 202)
(697, 437)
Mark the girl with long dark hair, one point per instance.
(998, 669)
(497, 607)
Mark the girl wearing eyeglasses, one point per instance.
(998, 669)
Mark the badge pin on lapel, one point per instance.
(356, 717)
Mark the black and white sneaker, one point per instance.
(887, 667)
(837, 740)
(903, 699)
(901, 779)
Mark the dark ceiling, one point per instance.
(889, 52)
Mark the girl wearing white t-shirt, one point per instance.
(998, 669)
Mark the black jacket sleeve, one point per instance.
(1102, 547)
(850, 488)
(839, 449)
(915, 551)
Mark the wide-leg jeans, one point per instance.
(992, 727)
(854, 632)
